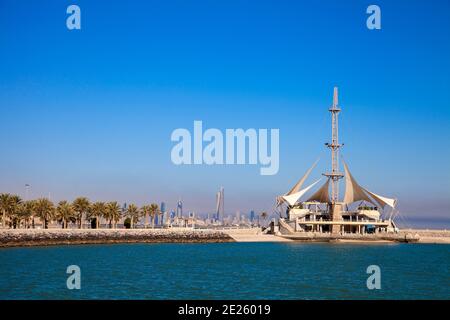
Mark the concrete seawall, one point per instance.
(367, 238)
(40, 237)
(429, 236)
(405, 236)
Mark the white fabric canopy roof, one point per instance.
(294, 197)
(300, 183)
(297, 186)
(354, 192)
(321, 195)
(382, 200)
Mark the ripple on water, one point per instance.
(226, 271)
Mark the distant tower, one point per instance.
(220, 203)
(252, 216)
(222, 213)
(163, 212)
(179, 209)
(334, 146)
(216, 214)
(27, 192)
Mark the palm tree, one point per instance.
(65, 213)
(154, 210)
(45, 210)
(107, 214)
(134, 214)
(97, 210)
(31, 208)
(81, 206)
(9, 206)
(4, 207)
(146, 211)
(15, 202)
(113, 213)
(26, 212)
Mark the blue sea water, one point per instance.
(227, 271)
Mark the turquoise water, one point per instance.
(227, 271)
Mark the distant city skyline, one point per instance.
(90, 112)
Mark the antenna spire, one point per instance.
(335, 97)
(334, 175)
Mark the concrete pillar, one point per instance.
(335, 210)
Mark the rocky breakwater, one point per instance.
(35, 237)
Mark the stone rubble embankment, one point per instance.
(43, 237)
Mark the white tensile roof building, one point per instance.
(359, 211)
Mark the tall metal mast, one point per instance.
(334, 175)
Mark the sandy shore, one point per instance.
(40, 237)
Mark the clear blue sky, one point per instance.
(90, 112)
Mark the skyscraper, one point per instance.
(179, 209)
(163, 213)
(252, 216)
(220, 204)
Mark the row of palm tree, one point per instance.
(16, 213)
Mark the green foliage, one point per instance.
(45, 210)
(65, 213)
(113, 213)
(133, 213)
(81, 206)
(127, 223)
